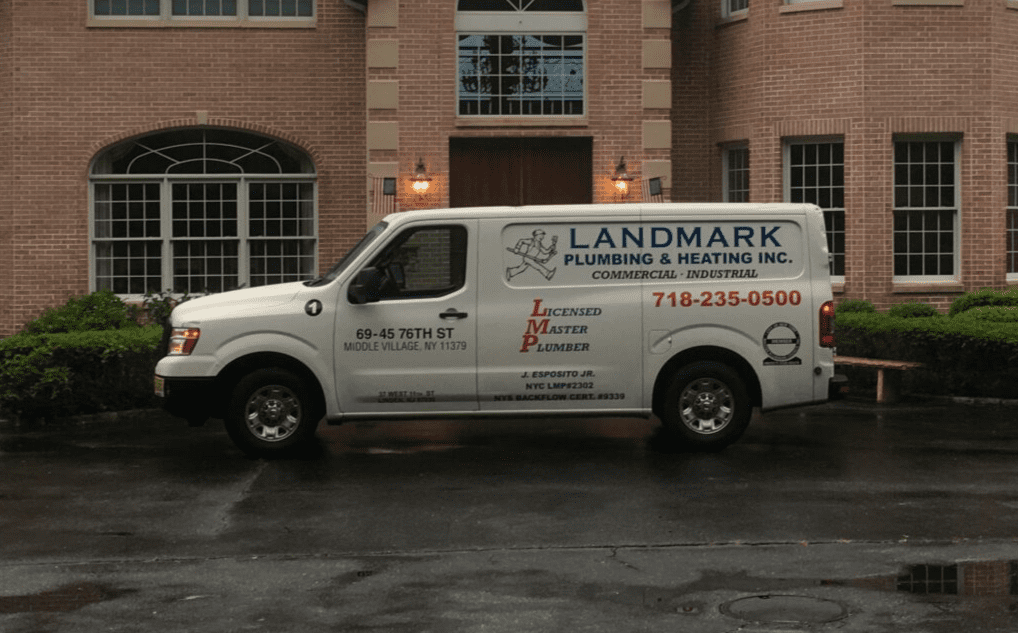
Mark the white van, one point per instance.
(695, 313)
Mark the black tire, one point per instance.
(272, 414)
(707, 406)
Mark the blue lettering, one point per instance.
(604, 237)
(572, 240)
(744, 233)
(717, 236)
(637, 239)
(765, 235)
(654, 240)
(680, 233)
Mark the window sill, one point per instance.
(733, 19)
(191, 23)
(811, 5)
(838, 287)
(928, 3)
(510, 121)
(1012, 4)
(926, 287)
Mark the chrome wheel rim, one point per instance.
(273, 413)
(706, 405)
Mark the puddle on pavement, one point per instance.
(785, 609)
(66, 598)
(983, 592)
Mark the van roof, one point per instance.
(647, 210)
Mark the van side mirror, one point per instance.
(366, 286)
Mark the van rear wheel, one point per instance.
(707, 405)
(271, 414)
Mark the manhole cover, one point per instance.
(787, 609)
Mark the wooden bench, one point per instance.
(888, 374)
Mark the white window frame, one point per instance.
(166, 181)
(786, 150)
(1011, 212)
(729, 13)
(726, 169)
(956, 209)
(543, 23)
(167, 19)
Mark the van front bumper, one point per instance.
(188, 398)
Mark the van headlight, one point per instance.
(183, 340)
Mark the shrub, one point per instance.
(967, 355)
(994, 314)
(157, 306)
(985, 297)
(854, 305)
(911, 310)
(100, 310)
(50, 375)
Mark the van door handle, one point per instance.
(453, 313)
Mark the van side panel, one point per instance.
(739, 283)
(555, 336)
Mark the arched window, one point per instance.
(201, 210)
(521, 57)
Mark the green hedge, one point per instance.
(101, 310)
(987, 297)
(968, 355)
(62, 374)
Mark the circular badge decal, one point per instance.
(313, 307)
(781, 341)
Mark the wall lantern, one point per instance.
(620, 178)
(420, 181)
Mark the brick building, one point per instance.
(206, 144)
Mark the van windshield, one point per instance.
(338, 268)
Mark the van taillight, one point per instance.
(827, 324)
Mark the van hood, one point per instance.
(234, 301)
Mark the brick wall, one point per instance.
(82, 88)
(427, 108)
(870, 72)
(6, 175)
(862, 71)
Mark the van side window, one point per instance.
(424, 262)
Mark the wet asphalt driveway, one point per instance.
(842, 517)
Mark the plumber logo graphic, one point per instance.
(535, 255)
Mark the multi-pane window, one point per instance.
(521, 57)
(734, 8)
(519, 5)
(925, 208)
(735, 179)
(126, 7)
(816, 174)
(503, 75)
(171, 9)
(126, 231)
(929, 579)
(204, 7)
(202, 211)
(1012, 208)
(282, 226)
(281, 8)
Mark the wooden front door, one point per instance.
(520, 171)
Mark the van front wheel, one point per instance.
(271, 414)
(707, 405)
